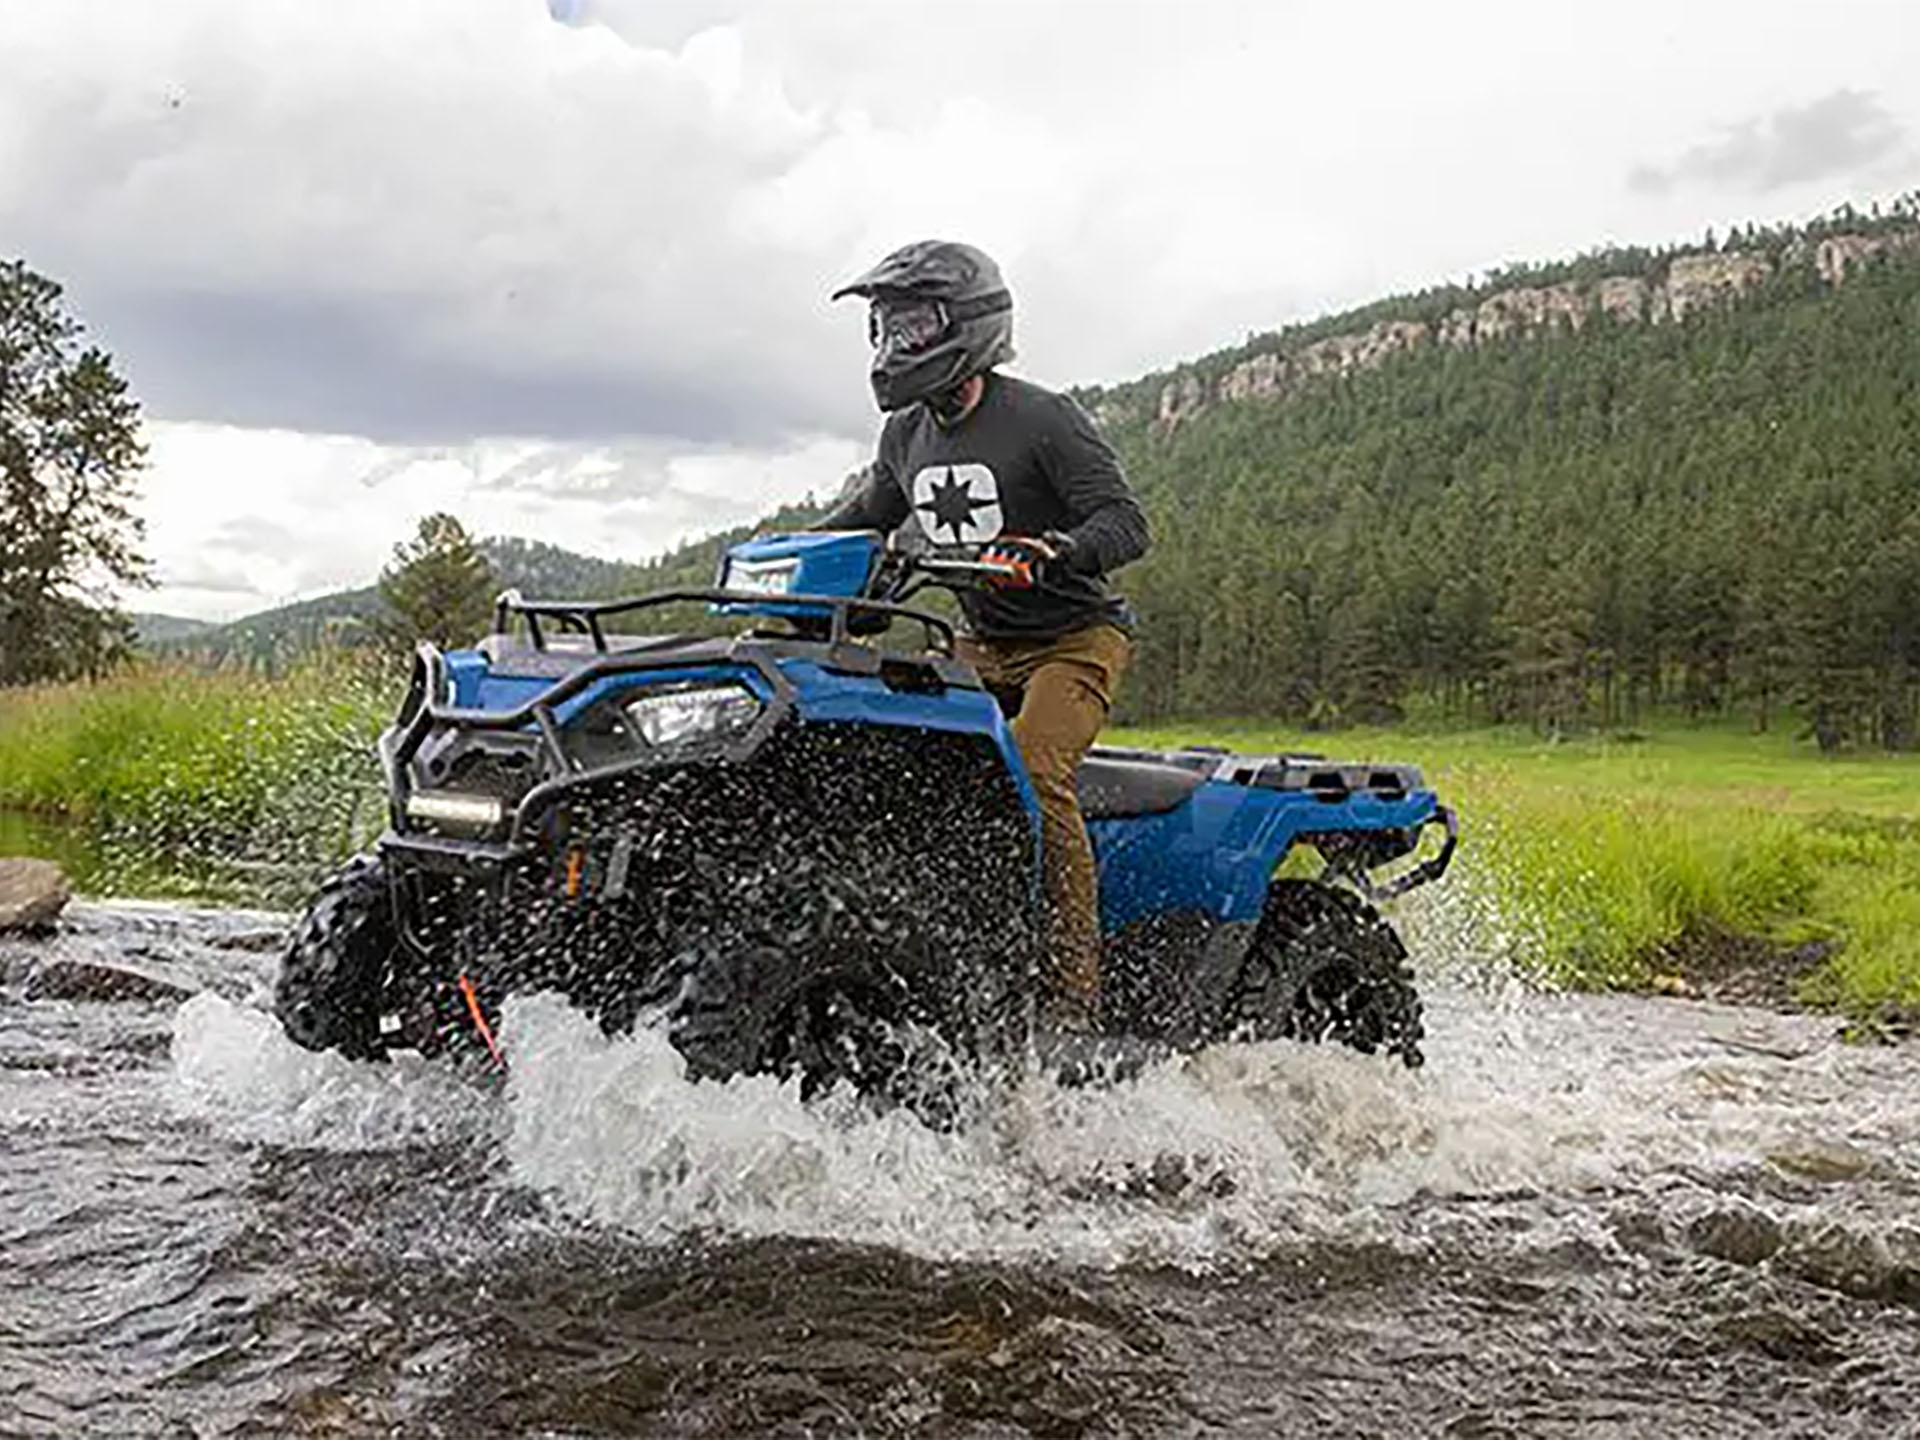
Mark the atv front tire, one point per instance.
(898, 1018)
(334, 970)
(1324, 965)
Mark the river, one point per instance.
(1587, 1216)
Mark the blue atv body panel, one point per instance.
(1216, 853)
(820, 696)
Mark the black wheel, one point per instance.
(895, 1018)
(1323, 965)
(335, 967)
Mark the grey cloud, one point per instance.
(625, 471)
(288, 362)
(540, 235)
(312, 561)
(202, 574)
(1834, 135)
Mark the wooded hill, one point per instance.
(1566, 516)
(272, 638)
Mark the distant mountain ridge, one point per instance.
(534, 567)
(1624, 286)
(151, 628)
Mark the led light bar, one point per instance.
(451, 810)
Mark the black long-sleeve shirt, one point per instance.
(1024, 461)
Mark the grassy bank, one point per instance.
(1600, 862)
(222, 764)
(1609, 862)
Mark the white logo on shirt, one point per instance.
(958, 504)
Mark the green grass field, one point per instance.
(1603, 855)
(173, 778)
(1599, 857)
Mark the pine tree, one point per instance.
(70, 452)
(439, 587)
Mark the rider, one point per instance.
(981, 458)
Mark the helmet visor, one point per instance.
(906, 327)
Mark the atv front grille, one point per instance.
(827, 829)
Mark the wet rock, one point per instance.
(1856, 1262)
(68, 978)
(1741, 1236)
(1829, 1162)
(1783, 1336)
(1642, 1232)
(32, 894)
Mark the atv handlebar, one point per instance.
(954, 568)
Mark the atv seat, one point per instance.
(1111, 789)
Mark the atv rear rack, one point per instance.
(584, 617)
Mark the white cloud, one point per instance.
(442, 222)
(245, 519)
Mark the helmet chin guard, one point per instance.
(940, 315)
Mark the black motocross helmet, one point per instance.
(940, 314)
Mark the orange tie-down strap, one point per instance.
(480, 1021)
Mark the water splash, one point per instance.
(1213, 1159)
(235, 1068)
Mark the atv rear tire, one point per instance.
(1324, 965)
(334, 971)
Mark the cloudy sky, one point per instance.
(561, 266)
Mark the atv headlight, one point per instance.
(761, 577)
(457, 813)
(668, 717)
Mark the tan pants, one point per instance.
(1059, 692)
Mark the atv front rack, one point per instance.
(584, 617)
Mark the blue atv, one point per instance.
(807, 851)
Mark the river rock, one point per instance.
(1845, 1257)
(1741, 1235)
(69, 978)
(32, 894)
(1828, 1162)
(1782, 1335)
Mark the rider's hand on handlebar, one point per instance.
(1019, 559)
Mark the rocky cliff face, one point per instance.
(1692, 283)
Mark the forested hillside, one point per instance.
(1567, 517)
(272, 638)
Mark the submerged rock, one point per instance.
(1827, 1162)
(32, 894)
(1739, 1234)
(68, 978)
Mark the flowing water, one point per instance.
(1587, 1216)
